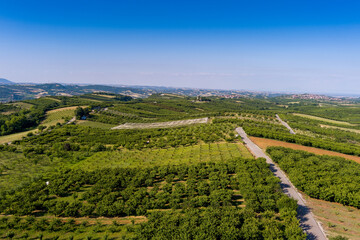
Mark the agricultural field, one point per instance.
(92, 124)
(219, 152)
(15, 169)
(323, 177)
(341, 128)
(162, 124)
(15, 136)
(60, 115)
(264, 143)
(336, 219)
(163, 174)
(220, 199)
(324, 119)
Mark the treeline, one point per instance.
(80, 137)
(314, 126)
(328, 178)
(346, 148)
(199, 199)
(20, 121)
(25, 119)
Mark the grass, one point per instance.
(151, 157)
(22, 105)
(264, 143)
(336, 219)
(14, 136)
(95, 124)
(340, 128)
(324, 119)
(58, 116)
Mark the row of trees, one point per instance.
(328, 178)
(203, 192)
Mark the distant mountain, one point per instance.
(10, 91)
(4, 81)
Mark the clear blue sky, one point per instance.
(302, 46)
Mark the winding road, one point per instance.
(307, 219)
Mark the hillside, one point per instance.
(4, 81)
(67, 170)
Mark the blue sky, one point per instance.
(300, 46)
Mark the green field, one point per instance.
(324, 119)
(340, 128)
(178, 155)
(95, 124)
(15, 136)
(58, 116)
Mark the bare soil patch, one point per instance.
(264, 143)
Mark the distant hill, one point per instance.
(4, 81)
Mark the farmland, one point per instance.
(60, 115)
(15, 136)
(324, 119)
(324, 177)
(162, 124)
(177, 161)
(219, 152)
(336, 219)
(264, 143)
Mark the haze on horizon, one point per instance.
(294, 46)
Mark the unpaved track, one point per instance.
(307, 220)
(285, 124)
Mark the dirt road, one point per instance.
(307, 220)
(285, 124)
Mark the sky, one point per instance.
(286, 46)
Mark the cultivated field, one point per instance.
(16, 169)
(324, 119)
(151, 157)
(162, 124)
(58, 116)
(336, 219)
(264, 143)
(340, 128)
(94, 124)
(14, 136)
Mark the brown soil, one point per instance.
(264, 143)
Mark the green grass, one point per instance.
(22, 105)
(323, 119)
(58, 116)
(95, 124)
(151, 157)
(341, 128)
(14, 136)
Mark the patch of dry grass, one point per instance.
(324, 119)
(336, 219)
